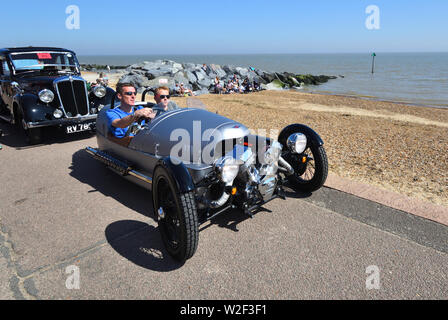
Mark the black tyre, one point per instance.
(177, 216)
(33, 135)
(310, 167)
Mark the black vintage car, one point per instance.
(42, 87)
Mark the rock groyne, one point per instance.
(200, 77)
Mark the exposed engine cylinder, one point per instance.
(261, 175)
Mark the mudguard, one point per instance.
(179, 173)
(315, 140)
(33, 110)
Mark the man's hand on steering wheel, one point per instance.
(145, 113)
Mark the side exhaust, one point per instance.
(121, 167)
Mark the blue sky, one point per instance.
(227, 26)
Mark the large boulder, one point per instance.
(243, 72)
(200, 74)
(275, 85)
(282, 77)
(259, 72)
(181, 77)
(293, 82)
(162, 71)
(189, 66)
(205, 83)
(162, 81)
(137, 80)
(218, 70)
(153, 65)
(191, 77)
(268, 77)
(229, 70)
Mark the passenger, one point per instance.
(120, 118)
(162, 98)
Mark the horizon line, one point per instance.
(252, 54)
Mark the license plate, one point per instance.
(78, 127)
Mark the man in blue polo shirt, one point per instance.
(120, 118)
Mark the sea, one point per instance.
(411, 78)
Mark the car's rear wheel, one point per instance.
(177, 216)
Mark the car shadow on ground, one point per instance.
(15, 138)
(142, 246)
(136, 241)
(95, 174)
(230, 219)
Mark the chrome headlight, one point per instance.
(57, 113)
(46, 96)
(297, 142)
(99, 91)
(228, 169)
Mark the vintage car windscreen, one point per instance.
(51, 61)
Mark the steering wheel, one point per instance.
(135, 127)
(158, 110)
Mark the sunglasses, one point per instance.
(163, 96)
(130, 93)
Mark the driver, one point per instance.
(119, 119)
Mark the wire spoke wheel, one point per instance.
(310, 168)
(304, 170)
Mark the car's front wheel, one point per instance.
(311, 165)
(310, 169)
(177, 216)
(33, 135)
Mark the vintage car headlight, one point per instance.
(57, 113)
(228, 169)
(46, 96)
(100, 91)
(297, 142)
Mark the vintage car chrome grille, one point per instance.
(73, 97)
